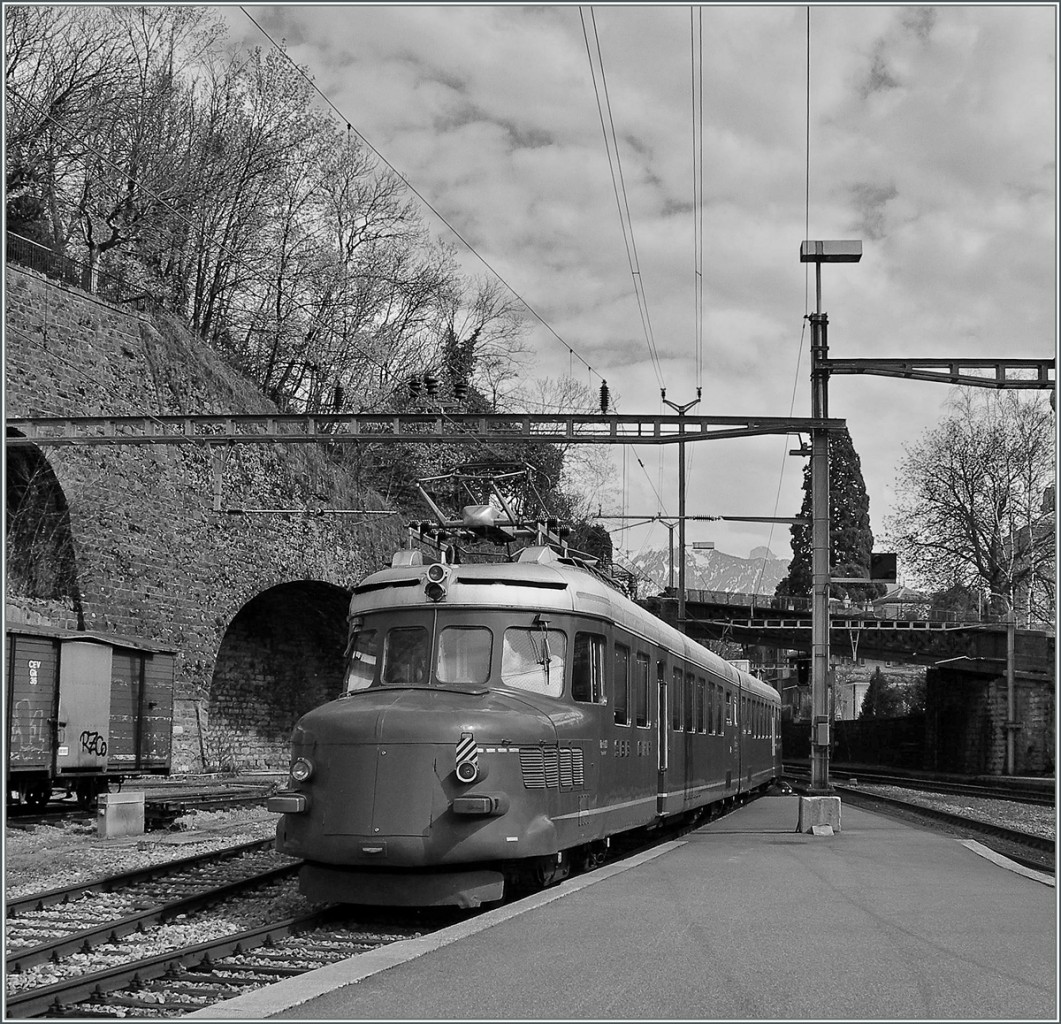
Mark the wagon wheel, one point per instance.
(593, 856)
(38, 795)
(86, 791)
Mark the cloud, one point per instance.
(932, 138)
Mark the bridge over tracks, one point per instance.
(873, 632)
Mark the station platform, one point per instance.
(742, 919)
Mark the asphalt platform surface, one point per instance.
(743, 919)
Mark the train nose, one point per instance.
(386, 775)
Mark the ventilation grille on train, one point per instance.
(550, 768)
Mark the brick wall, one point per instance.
(152, 557)
(966, 713)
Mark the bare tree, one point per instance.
(975, 503)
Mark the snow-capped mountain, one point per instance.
(760, 573)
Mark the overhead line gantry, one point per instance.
(375, 428)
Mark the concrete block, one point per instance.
(818, 810)
(120, 814)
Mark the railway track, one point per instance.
(62, 940)
(161, 810)
(197, 975)
(1003, 790)
(47, 926)
(1025, 847)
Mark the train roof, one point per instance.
(542, 580)
(68, 635)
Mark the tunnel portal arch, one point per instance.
(40, 560)
(280, 657)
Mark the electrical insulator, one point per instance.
(431, 383)
(414, 386)
(604, 396)
(460, 390)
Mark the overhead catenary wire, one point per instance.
(615, 168)
(423, 199)
(806, 289)
(147, 190)
(696, 70)
(607, 123)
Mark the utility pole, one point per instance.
(821, 739)
(681, 410)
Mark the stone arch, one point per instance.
(41, 564)
(281, 656)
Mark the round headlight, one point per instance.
(467, 771)
(437, 572)
(302, 769)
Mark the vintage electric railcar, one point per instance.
(500, 722)
(83, 710)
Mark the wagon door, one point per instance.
(31, 679)
(84, 707)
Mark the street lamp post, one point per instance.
(819, 252)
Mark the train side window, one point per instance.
(464, 654)
(676, 700)
(405, 656)
(729, 708)
(362, 653)
(710, 707)
(690, 702)
(641, 671)
(622, 685)
(587, 669)
(719, 701)
(701, 705)
(533, 659)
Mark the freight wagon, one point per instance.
(83, 710)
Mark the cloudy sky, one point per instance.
(931, 139)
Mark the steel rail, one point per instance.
(86, 939)
(34, 1002)
(1001, 791)
(1025, 839)
(108, 883)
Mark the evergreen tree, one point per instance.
(850, 536)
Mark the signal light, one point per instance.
(437, 574)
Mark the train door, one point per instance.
(740, 708)
(731, 739)
(84, 707)
(662, 736)
(671, 796)
(588, 692)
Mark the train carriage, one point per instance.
(83, 710)
(499, 723)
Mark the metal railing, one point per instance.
(59, 266)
